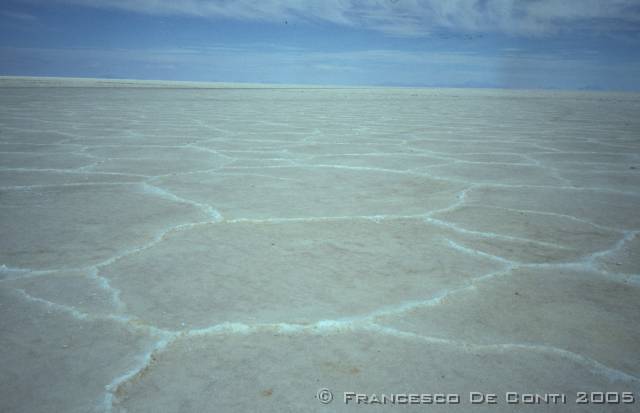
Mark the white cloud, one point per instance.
(405, 17)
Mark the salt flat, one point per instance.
(168, 248)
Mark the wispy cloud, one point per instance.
(406, 17)
(24, 17)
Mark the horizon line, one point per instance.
(97, 82)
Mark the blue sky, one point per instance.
(568, 44)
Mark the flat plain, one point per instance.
(236, 249)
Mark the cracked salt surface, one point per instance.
(163, 250)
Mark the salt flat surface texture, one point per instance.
(237, 249)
